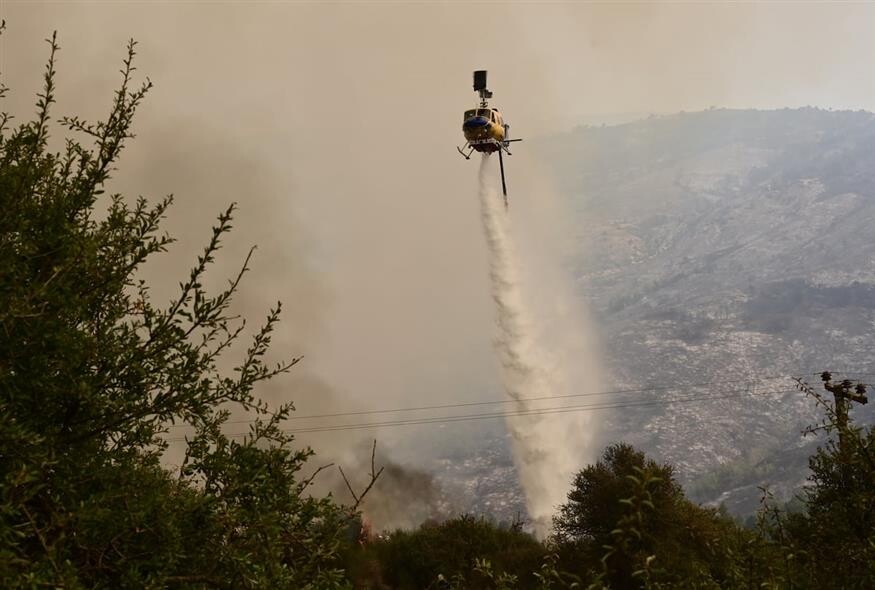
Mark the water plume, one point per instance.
(541, 354)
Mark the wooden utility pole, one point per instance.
(844, 392)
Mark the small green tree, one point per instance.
(837, 529)
(92, 372)
(831, 543)
(627, 517)
(593, 508)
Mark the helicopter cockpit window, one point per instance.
(469, 114)
(485, 113)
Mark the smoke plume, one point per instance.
(541, 355)
(403, 496)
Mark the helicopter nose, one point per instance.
(475, 122)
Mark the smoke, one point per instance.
(403, 496)
(543, 352)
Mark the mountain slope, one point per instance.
(719, 247)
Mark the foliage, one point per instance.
(828, 543)
(837, 530)
(831, 543)
(472, 551)
(93, 371)
(629, 519)
(593, 510)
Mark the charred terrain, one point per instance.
(734, 248)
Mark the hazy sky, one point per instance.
(589, 58)
(334, 126)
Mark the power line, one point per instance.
(532, 412)
(426, 420)
(751, 381)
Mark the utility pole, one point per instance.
(844, 392)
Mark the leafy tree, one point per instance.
(628, 517)
(831, 543)
(93, 371)
(837, 529)
(593, 510)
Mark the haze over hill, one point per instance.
(721, 246)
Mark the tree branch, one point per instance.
(374, 476)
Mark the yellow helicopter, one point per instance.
(485, 130)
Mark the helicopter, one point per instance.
(485, 130)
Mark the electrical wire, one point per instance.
(529, 412)
(750, 381)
